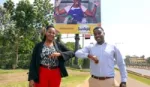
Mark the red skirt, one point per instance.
(48, 77)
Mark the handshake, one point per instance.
(94, 58)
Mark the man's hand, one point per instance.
(57, 2)
(94, 58)
(96, 3)
(54, 55)
(31, 83)
(122, 84)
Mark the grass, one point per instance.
(5, 71)
(73, 81)
(81, 70)
(141, 79)
(16, 84)
(75, 77)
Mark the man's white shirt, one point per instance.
(107, 55)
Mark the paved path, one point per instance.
(141, 71)
(130, 82)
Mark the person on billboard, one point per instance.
(47, 63)
(103, 57)
(75, 13)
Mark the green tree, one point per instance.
(148, 60)
(24, 16)
(127, 60)
(44, 15)
(9, 5)
(5, 23)
(2, 19)
(58, 37)
(81, 62)
(30, 19)
(128, 56)
(71, 46)
(86, 63)
(44, 10)
(20, 28)
(143, 56)
(6, 32)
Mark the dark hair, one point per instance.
(96, 28)
(48, 27)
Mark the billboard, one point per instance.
(77, 16)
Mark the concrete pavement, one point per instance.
(130, 82)
(141, 71)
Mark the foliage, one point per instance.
(148, 60)
(75, 78)
(70, 45)
(83, 63)
(9, 5)
(20, 30)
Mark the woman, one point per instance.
(76, 12)
(47, 64)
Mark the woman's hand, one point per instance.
(31, 83)
(54, 55)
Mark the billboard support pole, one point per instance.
(77, 38)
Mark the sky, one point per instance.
(126, 24)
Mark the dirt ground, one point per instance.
(23, 76)
(13, 77)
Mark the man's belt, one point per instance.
(101, 78)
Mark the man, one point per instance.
(76, 12)
(102, 61)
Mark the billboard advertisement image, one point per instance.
(77, 16)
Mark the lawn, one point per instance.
(75, 77)
(15, 84)
(5, 71)
(141, 79)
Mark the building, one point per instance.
(136, 60)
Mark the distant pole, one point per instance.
(82, 40)
(77, 38)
